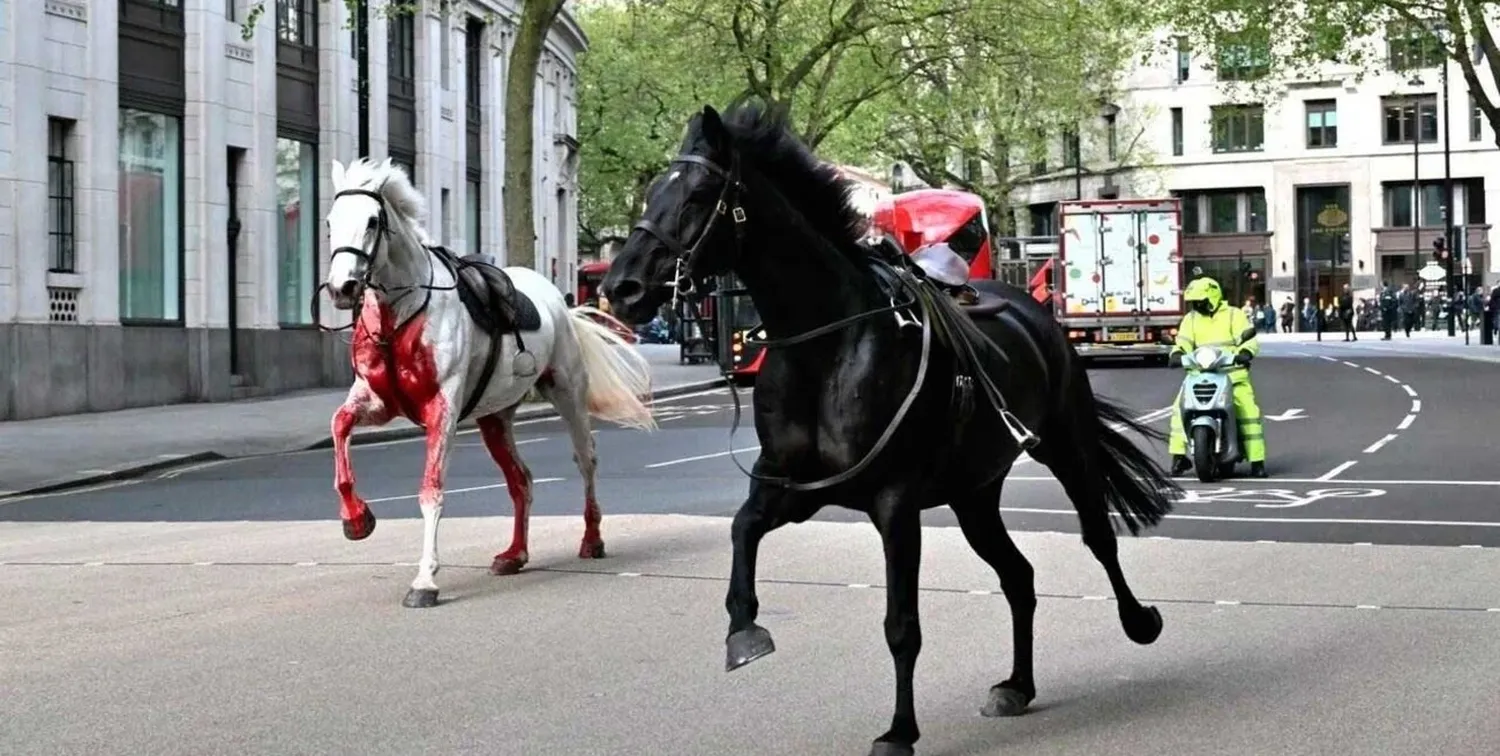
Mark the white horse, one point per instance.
(418, 353)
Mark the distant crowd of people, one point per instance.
(1409, 307)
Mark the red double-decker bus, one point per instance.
(929, 216)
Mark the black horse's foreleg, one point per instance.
(897, 515)
(758, 516)
(979, 519)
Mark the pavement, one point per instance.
(1353, 598)
(59, 452)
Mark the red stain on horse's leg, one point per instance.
(358, 520)
(498, 439)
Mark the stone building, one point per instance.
(163, 182)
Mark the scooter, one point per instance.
(1213, 433)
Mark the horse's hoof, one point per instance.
(506, 565)
(746, 646)
(887, 748)
(591, 550)
(420, 598)
(1005, 701)
(1144, 627)
(361, 527)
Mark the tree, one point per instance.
(1314, 39)
(1030, 71)
(637, 85)
(532, 26)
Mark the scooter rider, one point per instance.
(1210, 322)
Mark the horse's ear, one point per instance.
(338, 175)
(713, 129)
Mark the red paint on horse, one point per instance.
(397, 364)
(592, 546)
(409, 386)
(518, 480)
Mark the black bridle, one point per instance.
(728, 204)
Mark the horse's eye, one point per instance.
(371, 225)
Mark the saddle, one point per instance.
(491, 299)
(946, 270)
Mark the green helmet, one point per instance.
(1204, 290)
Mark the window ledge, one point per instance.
(57, 280)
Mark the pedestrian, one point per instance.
(1388, 309)
(1492, 319)
(1288, 313)
(1320, 318)
(1346, 313)
(1408, 301)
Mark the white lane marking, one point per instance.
(452, 491)
(172, 474)
(1337, 471)
(1470, 546)
(1226, 603)
(1406, 422)
(1375, 447)
(1278, 481)
(1326, 357)
(1350, 364)
(1416, 406)
(1373, 371)
(74, 491)
(1393, 379)
(94, 471)
(1408, 389)
(715, 455)
(1280, 520)
(1366, 606)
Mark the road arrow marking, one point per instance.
(1295, 413)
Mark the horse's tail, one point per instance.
(1134, 484)
(618, 374)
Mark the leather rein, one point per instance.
(728, 204)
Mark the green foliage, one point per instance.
(637, 85)
(1322, 41)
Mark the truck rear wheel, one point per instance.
(1205, 462)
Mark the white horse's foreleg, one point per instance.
(360, 407)
(570, 398)
(498, 432)
(439, 418)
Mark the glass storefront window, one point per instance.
(150, 216)
(1224, 213)
(297, 241)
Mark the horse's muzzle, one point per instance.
(346, 296)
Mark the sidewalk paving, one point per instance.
(72, 450)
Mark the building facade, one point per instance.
(163, 182)
(1334, 180)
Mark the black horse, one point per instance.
(867, 397)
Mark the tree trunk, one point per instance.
(520, 102)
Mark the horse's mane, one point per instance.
(391, 182)
(812, 186)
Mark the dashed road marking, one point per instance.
(1416, 406)
(1337, 471)
(1406, 422)
(1373, 371)
(1393, 379)
(1350, 364)
(1408, 389)
(1375, 447)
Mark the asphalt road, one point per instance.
(218, 609)
(1362, 449)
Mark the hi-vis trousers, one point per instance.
(1252, 432)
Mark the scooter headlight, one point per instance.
(1205, 357)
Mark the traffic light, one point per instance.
(1439, 248)
(1245, 268)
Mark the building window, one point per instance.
(1402, 115)
(401, 47)
(472, 214)
(1111, 137)
(1412, 46)
(1070, 149)
(1398, 205)
(1257, 221)
(445, 50)
(297, 229)
(231, 13)
(1223, 213)
(294, 22)
(1177, 131)
(150, 216)
(1243, 58)
(1322, 124)
(1239, 128)
(1184, 59)
(60, 195)
(1476, 120)
(1192, 218)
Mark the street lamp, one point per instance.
(1448, 201)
